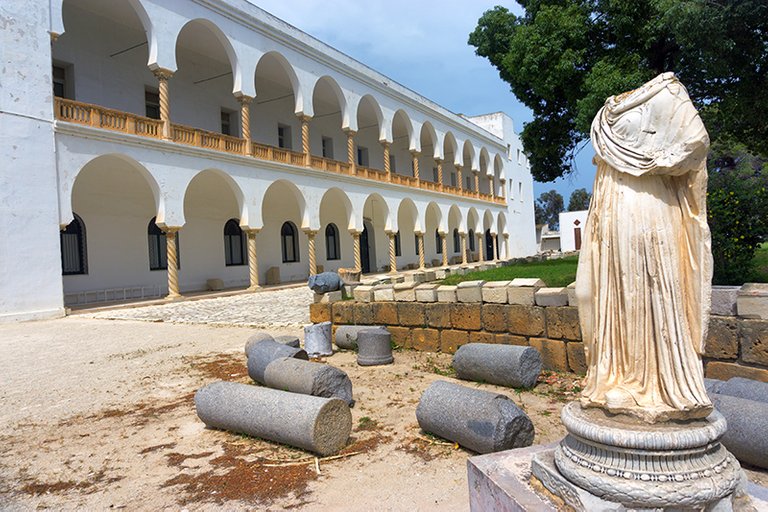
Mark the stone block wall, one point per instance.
(735, 346)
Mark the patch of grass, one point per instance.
(366, 423)
(760, 265)
(560, 272)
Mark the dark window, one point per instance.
(392, 162)
(434, 174)
(471, 240)
(456, 241)
(362, 156)
(152, 104)
(158, 247)
(438, 242)
(289, 241)
(60, 81)
(416, 243)
(73, 249)
(453, 179)
(226, 122)
(469, 183)
(234, 244)
(398, 251)
(327, 147)
(283, 136)
(332, 249)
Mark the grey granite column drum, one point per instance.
(504, 365)
(290, 340)
(479, 420)
(346, 335)
(677, 464)
(255, 338)
(317, 339)
(319, 425)
(747, 434)
(743, 388)
(374, 347)
(308, 378)
(261, 353)
(324, 282)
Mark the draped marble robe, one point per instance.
(645, 270)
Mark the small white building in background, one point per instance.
(138, 132)
(572, 229)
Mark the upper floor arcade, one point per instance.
(227, 76)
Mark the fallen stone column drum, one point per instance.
(479, 420)
(504, 365)
(262, 353)
(744, 388)
(319, 425)
(317, 339)
(288, 339)
(346, 335)
(308, 378)
(255, 338)
(747, 434)
(374, 347)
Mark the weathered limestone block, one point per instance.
(466, 316)
(319, 425)
(442, 273)
(577, 360)
(328, 297)
(481, 337)
(496, 292)
(754, 341)
(384, 313)
(571, 289)
(523, 291)
(346, 335)
(374, 347)
(553, 353)
(289, 340)
(263, 352)
(747, 434)
(446, 293)
(348, 291)
(319, 313)
(324, 282)
(551, 297)
(451, 340)
(362, 313)
(505, 365)
(722, 338)
(531, 282)
(438, 315)
(426, 292)
(308, 378)
(752, 301)
(427, 340)
(273, 275)
(401, 336)
(724, 300)
(481, 421)
(495, 317)
(740, 387)
(511, 339)
(563, 323)
(724, 371)
(317, 339)
(526, 320)
(404, 292)
(343, 312)
(415, 277)
(363, 293)
(429, 275)
(411, 314)
(384, 293)
(470, 291)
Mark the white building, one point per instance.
(126, 124)
(571, 229)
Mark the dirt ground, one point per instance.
(98, 414)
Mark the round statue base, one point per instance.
(644, 466)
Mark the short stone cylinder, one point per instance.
(346, 335)
(744, 388)
(308, 378)
(288, 339)
(374, 347)
(261, 353)
(505, 365)
(319, 425)
(317, 339)
(479, 420)
(747, 434)
(255, 338)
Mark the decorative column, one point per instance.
(172, 263)
(351, 148)
(387, 167)
(415, 155)
(506, 246)
(253, 261)
(356, 250)
(459, 177)
(392, 253)
(245, 121)
(439, 170)
(305, 138)
(495, 248)
(444, 245)
(420, 237)
(312, 259)
(163, 75)
(463, 248)
(503, 187)
(477, 182)
(482, 251)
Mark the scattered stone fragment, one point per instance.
(346, 335)
(374, 347)
(505, 365)
(263, 352)
(470, 291)
(744, 388)
(319, 425)
(324, 282)
(255, 338)
(551, 297)
(308, 378)
(288, 339)
(317, 339)
(479, 420)
(747, 434)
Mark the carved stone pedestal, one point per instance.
(614, 462)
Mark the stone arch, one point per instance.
(429, 135)
(501, 224)
(233, 186)
(223, 40)
(294, 193)
(473, 220)
(401, 121)
(367, 107)
(276, 58)
(488, 221)
(338, 196)
(327, 82)
(408, 212)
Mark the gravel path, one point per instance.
(265, 309)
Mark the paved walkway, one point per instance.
(265, 309)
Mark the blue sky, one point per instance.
(422, 44)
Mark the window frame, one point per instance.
(82, 248)
(156, 237)
(398, 246)
(438, 243)
(294, 242)
(332, 243)
(235, 233)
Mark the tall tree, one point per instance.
(548, 207)
(579, 200)
(562, 58)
